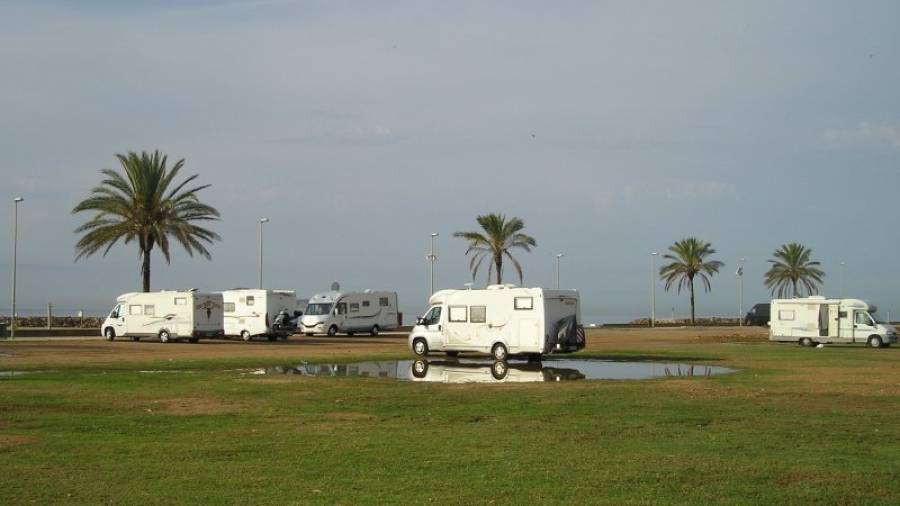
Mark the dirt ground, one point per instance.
(74, 352)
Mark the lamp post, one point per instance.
(558, 256)
(12, 315)
(740, 275)
(259, 270)
(843, 267)
(432, 258)
(653, 288)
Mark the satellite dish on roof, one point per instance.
(335, 287)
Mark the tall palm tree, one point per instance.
(793, 273)
(689, 260)
(500, 236)
(145, 206)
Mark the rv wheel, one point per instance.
(332, 330)
(194, 339)
(109, 334)
(164, 336)
(135, 338)
(806, 342)
(420, 368)
(499, 352)
(351, 334)
(273, 338)
(245, 335)
(499, 370)
(534, 357)
(875, 342)
(452, 353)
(420, 347)
(374, 331)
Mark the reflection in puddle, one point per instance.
(16, 374)
(479, 371)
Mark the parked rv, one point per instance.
(253, 313)
(352, 312)
(166, 315)
(814, 320)
(758, 315)
(501, 320)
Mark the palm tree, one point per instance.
(499, 237)
(144, 206)
(689, 261)
(792, 272)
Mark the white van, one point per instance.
(166, 315)
(352, 312)
(252, 312)
(501, 320)
(812, 320)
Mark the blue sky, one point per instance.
(612, 128)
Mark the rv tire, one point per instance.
(245, 335)
(272, 338)
(876, 342)
(807, 342)
(164, 336)
(351, 334)
(109, 334)
(452, 353)
(194, 339)
(499, 352)
(420, 347)
(499, 370)
(332, 330)
(374, 331)
(534, 357)
(135, 338)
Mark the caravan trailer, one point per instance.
(353, 312)
(501, 320)
(165, 315)
(812, 320)
(251, 312)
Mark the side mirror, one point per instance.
(420, 320)
(334, 311)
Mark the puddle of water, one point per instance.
(479, 371)
(16, 374)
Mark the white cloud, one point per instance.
(866, 134)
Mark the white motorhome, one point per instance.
(352, 312)
(501, 320)
(251, 312)
(812, 320)
(166, 315)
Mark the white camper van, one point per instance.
(352, 312)
(166, 315)
(252, 312)
(501, 320)
(814, 320)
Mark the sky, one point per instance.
(613, 129)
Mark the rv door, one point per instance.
(863, 325)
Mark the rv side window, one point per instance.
(863, 319)
(150, 310)
(342, 308)
(784, 315)
(383, 302)
(180, 301)
(229, 307)
(251, 300)
(354, 307)
(134, 309)
(365, 303)
(478, 314)
(524, 303)
(458, 314)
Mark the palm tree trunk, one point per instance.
(498, 261)
(693, 320)
(145, 270)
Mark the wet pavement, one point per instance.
(481, 371)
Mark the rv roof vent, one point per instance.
(495, 287)
(192, 289)
(468, 285)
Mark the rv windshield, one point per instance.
(318, 309)
(876, 317)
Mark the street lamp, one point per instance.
(558, 256)
(432, 258)
(843, 268)
(740, 274)
(653, 288)
(259, 269)
(12, 316)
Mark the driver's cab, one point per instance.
(116, 320)
(431, 324)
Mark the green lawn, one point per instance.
(795, 426)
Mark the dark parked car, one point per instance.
(758, 315)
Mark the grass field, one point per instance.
(794, 426)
